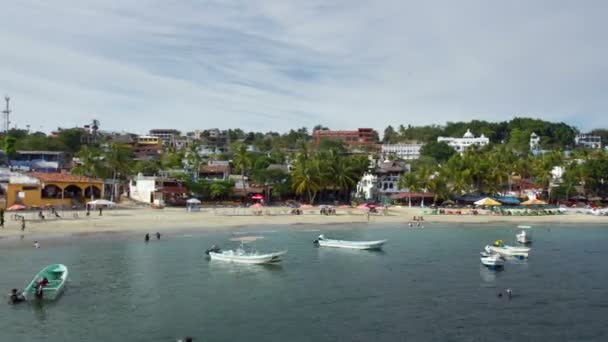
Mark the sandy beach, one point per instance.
(168, 219)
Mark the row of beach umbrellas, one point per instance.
(489, 202)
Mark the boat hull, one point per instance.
(57, 276)
(247, 259)
(492, 262)
(510, 251)
(352, 244)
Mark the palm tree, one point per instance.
(242, 161)
(91, 163)
(306, 177)
(119, 160)
(409, 181)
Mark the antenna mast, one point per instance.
(7, 113)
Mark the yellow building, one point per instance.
(149, 140)
(38, 189)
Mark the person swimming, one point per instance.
(157, 236)
(16, 297)
(147, 237)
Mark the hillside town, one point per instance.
(459, 162)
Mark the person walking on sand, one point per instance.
(22, 223)
(367, 214)
(100, 211)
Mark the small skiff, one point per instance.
(52, 287)
(325, 242)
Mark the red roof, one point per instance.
(62, 178)
(213, 168)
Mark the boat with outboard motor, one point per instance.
(506, 250)
(524, 236)
(241, 256)
(325, 242)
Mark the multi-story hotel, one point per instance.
(362, 136)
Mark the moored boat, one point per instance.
(492, 261)
(325, 242)
(519, 252)
(49, 283)
(239, 255)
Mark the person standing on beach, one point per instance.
(100, 211)
(22, 223)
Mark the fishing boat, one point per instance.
(239, 255)
(325, 242)
(52, 287)
(524, 236)
(518, 252)
(492, 261)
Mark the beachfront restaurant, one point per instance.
(37, 189)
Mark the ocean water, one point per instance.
(426, 285)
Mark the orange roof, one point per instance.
(62, 178)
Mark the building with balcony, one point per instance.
(39, 161)
(402, 151)
(165, 135)
(588, 141)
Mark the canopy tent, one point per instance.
(193, 201)
(487, 202)
(15, 207)
(534, 201)
(100, 202)
(508, 200)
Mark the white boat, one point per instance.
(241, 256)
(524, 236)
(520, 252)
(325, 242)
(492, 261)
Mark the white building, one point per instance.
(403, 151)
(588, 141)
(142, 188)
(367, 186)
(534, 142)
(468, 139)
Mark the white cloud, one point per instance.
(275, 65)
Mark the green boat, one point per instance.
(56, 275)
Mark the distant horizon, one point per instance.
(310, 129)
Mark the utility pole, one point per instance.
(7, 113)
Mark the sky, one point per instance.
(276, 65)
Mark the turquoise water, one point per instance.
(427, 285)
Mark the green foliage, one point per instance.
(332, 144)
(71, 139)
(9, 146)
(439, 151)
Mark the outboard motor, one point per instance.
(214, 249)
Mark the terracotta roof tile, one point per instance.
(61, 178)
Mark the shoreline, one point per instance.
(132, 221)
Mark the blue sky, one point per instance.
(276, 65)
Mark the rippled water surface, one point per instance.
(427, 285)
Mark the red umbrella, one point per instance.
(257, 197)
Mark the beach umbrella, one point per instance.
(534, 201)
(257, 197)
(15, 207)
(101, 202)
(193, 201)
(487, 202)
